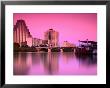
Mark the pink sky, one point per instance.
(71, 26)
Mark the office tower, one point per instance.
(52, 36)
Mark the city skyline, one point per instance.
(38, 24)
(48, 44)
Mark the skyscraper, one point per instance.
(52, 36)
(21, 32)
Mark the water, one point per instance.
(54, 64)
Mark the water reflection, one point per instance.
(87, 60)
(20, 64)
(54, 64)
(50, 62)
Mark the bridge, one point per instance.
(57, 48)
(47, 47)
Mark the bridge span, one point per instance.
(58, 49)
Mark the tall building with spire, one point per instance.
(52, 36)
(21, 33)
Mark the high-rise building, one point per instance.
(52, 36)
(21, 32)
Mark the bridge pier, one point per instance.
(38, 50)
(61, 50)
(74, 50)
(49, 50)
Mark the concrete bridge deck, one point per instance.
(54, 47)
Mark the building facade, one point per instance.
(68, 44)
(52, 36)
(21, 33)
(38, 42)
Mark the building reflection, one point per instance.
(67, 56)
(22, 63)
(36, 58)
(51, 63)
(87, 60)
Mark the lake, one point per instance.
(54, 63)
